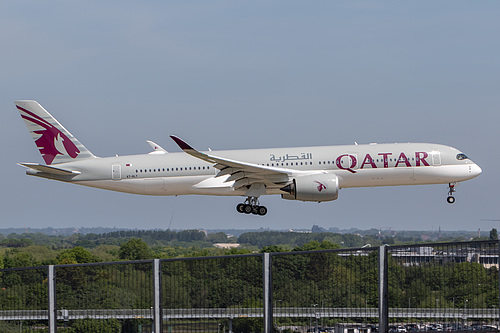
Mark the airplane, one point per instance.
(298, 173)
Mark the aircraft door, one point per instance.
(116, 172)
(436, 158)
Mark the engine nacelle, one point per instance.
(320, 187)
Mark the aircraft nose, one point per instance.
(475, 170)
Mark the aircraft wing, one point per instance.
(243, 174)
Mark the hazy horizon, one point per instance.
(236, 75)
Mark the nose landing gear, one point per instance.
(251, 206)
(451, 190)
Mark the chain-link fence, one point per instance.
(442, 286)
(451, 286)
(314, 291)
(213, 294)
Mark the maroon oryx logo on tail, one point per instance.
(321, 186)
(52, 141)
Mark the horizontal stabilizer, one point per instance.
(49, 169)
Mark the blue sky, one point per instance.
(252, 74)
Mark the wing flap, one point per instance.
(243, 174)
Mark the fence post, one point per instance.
(51, 285)
(268, 297)
(157, 313)
(383, 308)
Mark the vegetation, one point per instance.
(300, 278)
(38, 249)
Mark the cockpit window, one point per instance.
(461, 157)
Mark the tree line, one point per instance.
(345, 279)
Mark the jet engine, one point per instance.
(320, 187)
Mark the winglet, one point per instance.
(157, 149)
(191, 151)
(181, 143)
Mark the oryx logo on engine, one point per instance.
(321, 186)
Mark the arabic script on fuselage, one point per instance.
(288, 157)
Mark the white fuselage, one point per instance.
(354, 165)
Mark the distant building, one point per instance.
(226, 245)
(417, 255)
(317, 229)
(413, 256)
(300, 231)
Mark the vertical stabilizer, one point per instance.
(56, 144)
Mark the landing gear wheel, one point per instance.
(262, 210)
(451, 190)
(247, 209)
(240, 208)
(251, 206)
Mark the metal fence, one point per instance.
(445, 286)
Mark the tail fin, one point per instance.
(56, 144)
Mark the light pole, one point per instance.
(409, 304)
(366, 310)
(409, 299)
(322, 311)
(465, 312)
(310, 316)
(454, 311)
(437, 307)
(316, 315)
(276, 310)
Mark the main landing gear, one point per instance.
(251, 206)
(451, 190)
